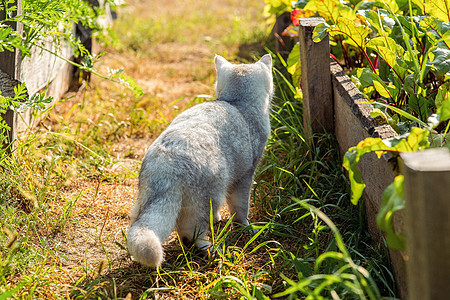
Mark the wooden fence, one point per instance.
(333, 103)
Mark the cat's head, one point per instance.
(237, 82)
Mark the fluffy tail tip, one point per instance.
(144, 246)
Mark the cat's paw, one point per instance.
(217, 217)
(210, 251)
(251, 231)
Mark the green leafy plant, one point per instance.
(397, 53)
(277, 7)
(43, 21)
(416, 140)
(20, 94)
(347, 279)
(393, 200)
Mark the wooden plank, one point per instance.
(10, 61)
(427, 197)
(10, 72)
(352, 125)
(315, 79)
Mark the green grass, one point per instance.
(57, 193)
(284, 254)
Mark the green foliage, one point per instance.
(46, 20)
(9, 40)
(19, 102)
(406, 56)
(50, 22)
(393, 200)
(348, 280)
(331, 10)
(436, 8)
(443, 102)
(9, 264)
(277, 7)
(293, 64)
(416, 140)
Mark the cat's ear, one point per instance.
(266, 60)
(220, 62)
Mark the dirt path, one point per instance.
(173, 65)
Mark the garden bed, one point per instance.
(343, 110)
(334, 104)
(353, 124)
(45, 69)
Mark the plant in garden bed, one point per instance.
(47, 21)
(275, 8)
(397, 53)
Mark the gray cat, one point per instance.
(206, 156)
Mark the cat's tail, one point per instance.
(145, 246)
(155, 223)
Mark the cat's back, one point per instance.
(207, 143)
(206, 132)
(212, 115)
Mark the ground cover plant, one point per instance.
(66, 193)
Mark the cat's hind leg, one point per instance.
(238, 199)
(193, 228)
(194, 219)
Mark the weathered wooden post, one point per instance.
(9, 72)
(9, 60)
(427, 196)
(315, 78)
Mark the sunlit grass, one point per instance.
(210, 25)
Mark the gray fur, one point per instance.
(207, 155)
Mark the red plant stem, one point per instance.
(361, 49)
(367, 57)
(344, 52)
